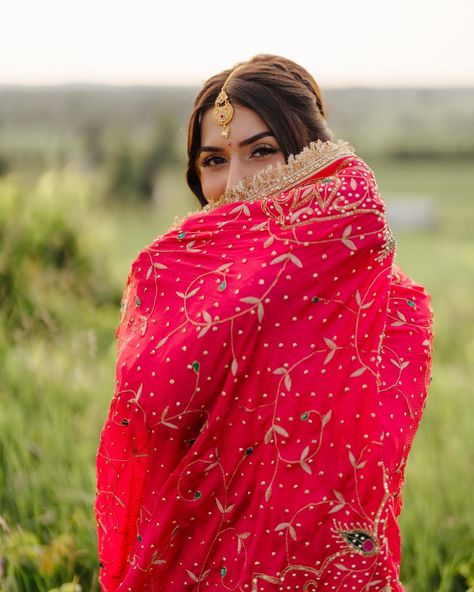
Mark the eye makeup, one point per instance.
(266, 149)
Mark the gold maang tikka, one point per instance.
(223, 110)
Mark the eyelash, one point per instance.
(267, 148)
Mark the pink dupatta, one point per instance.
(273, 366)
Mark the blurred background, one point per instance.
(94, 103)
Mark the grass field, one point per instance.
(58, 351)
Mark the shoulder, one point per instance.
(343, 185)
(356, 174)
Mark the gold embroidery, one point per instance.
(314, 157)
(390, 243)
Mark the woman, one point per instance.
(273, 363)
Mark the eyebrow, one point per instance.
(243, 143)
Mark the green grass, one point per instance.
(58, 376)
(437, 520)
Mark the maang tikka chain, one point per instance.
(223, 110)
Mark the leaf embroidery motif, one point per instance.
(268, 492)
(167, 423)
(221, 507)
(241, 536)
(276, 428)
(402, 320)
(304, 465)
(137, 396)
(327, 417)
(346, 240)
(289, 527)
(359, 371)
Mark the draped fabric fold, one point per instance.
(272, 369)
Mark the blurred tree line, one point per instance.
(130, 168)
(130, 136)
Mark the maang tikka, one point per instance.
(223, 110)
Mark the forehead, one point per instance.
(244, 123)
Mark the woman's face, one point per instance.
(223, 162)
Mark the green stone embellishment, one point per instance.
(249, 450)
(137, 301)
(197, 495)
(196, 366)
(411, 303)
(326, 180)
(222, 286)
(181, 235)
(314, 299)
(304, 415)
(223, 571)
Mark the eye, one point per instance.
(265, 149)
(209, 161)
(259, 152)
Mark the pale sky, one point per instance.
(341, 42)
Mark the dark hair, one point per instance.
(283, 93)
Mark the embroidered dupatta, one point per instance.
(272, 369)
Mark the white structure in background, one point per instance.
(410, 211)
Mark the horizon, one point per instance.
(133, 85)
